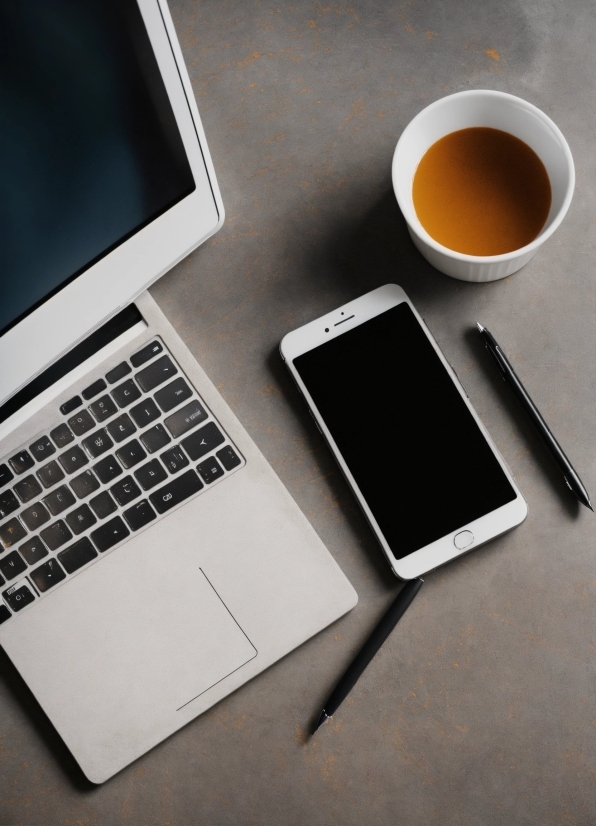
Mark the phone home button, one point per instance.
(463, 539)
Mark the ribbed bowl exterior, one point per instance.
(477, 271)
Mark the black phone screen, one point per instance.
(413, 447)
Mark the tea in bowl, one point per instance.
(483, 178)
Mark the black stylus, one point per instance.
(397, 609)
(574, 483)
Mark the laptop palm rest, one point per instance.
(109, 671)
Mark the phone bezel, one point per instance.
(337, 323)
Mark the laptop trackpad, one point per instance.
(224, 646)
(175, 646)
(190, 644)
(112, 671)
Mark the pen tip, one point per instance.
(322, 719)
(480, 327)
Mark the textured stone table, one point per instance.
(480, 709)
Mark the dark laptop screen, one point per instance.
(89, 148)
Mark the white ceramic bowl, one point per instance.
(500, 111)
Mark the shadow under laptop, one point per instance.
(42, 725)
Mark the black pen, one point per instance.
(397, 609)
(574, 483)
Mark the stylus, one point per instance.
(388, 622)
(574, 483)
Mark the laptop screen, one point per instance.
(90, 149)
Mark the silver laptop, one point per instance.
(150, 560)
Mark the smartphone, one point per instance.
(418, 459)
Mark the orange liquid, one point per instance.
(481, 191)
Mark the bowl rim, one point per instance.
(543, 234)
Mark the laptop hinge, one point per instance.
(109, 331)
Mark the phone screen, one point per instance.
(414, 449)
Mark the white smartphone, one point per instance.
(421, 464)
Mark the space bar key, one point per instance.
(176, 491)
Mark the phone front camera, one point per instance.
(326, 329)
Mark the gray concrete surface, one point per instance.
(480, 709)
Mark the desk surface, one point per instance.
(480, 708)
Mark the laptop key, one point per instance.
(103, 505)
(139, 515)
(41, 448)
(73, 459)
(12, 566)
(77, 555)
(131, 454)
(202, 441)
(18, 596)
(27, 489)
(71, 405)
(85, 484)
(47, 575)
(80, 519)
(176, 491)
(56, 535)
(50, 474)
(33, 550)
(103, 408)
(108, 469)
(81, 423)
(35, 516)
(145, 412)
(11, 532)
(126, 393)
(210, 470)
(8, 503)
(154, 375)
(185, 419)
(151, 474)
(125, 491)
(6, 475)
(4, 612)
(121, 428)
(110, 534)
(61, 435)
(98, 443)
(146, 353)
(21, 462)
(118, 372)
(174, 459)
(58, 500)
(228, 457)
(93, 389)
(155, 438)
(173, 394)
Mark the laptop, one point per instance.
(151, 562)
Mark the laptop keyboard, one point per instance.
(132, 445)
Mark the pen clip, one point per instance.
(495, 353)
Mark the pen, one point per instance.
(574, 483)
(397, 609)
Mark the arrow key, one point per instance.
(110, 534)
